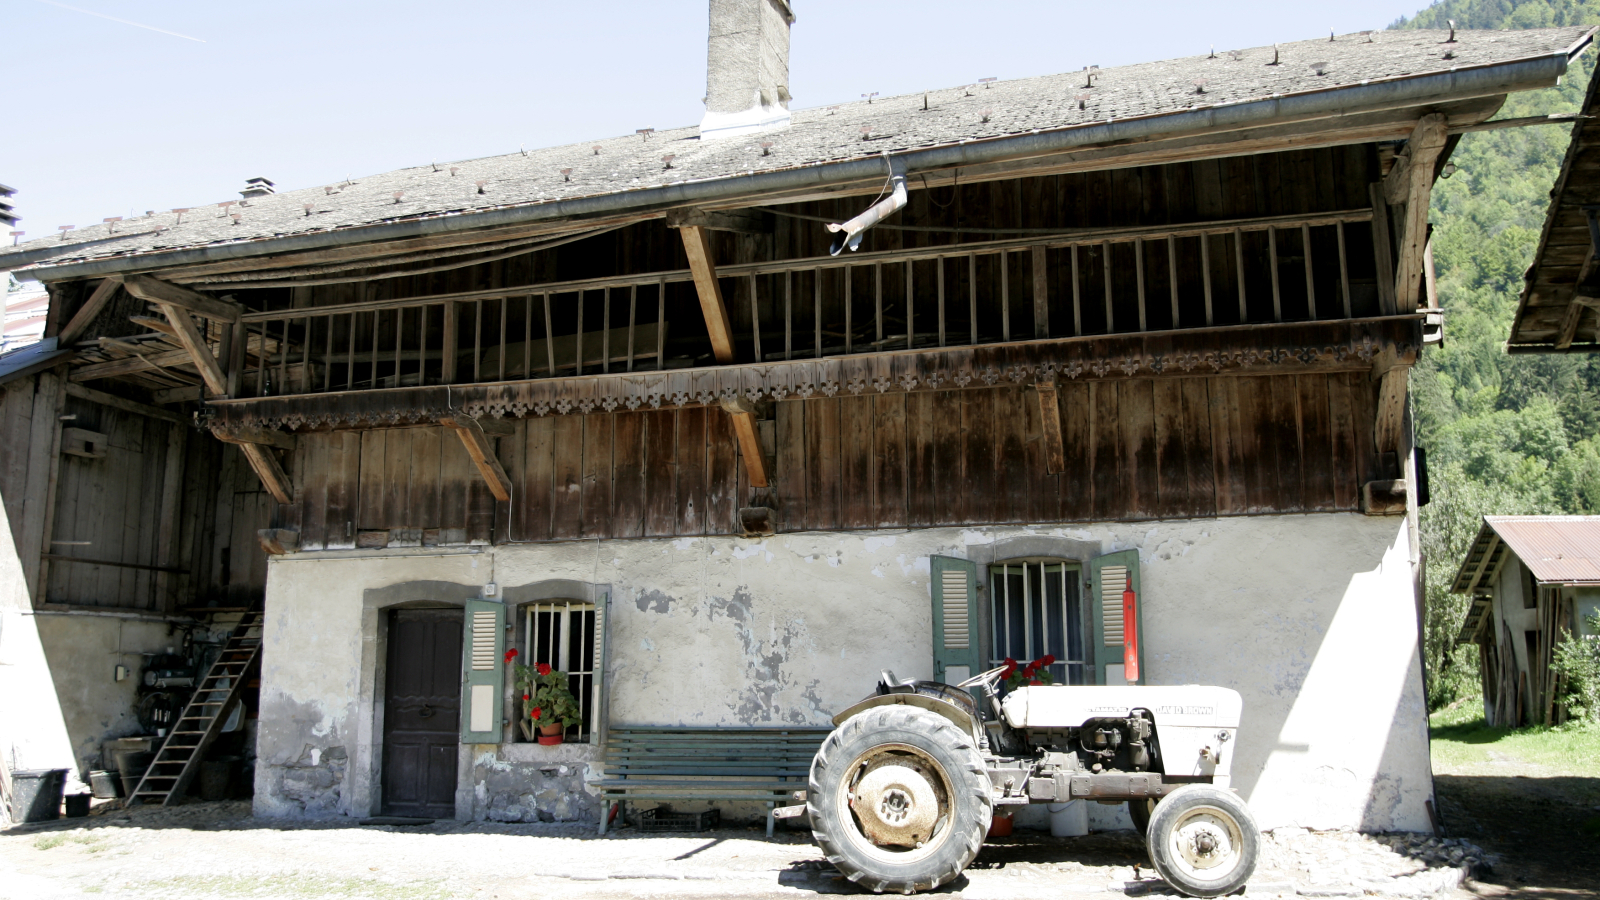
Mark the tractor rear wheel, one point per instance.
(899, 799)
(1139, 811)
(1203, 840)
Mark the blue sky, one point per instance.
(107, 119)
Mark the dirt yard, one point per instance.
(216, 850)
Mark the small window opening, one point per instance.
(1036, 608)
(561, 634)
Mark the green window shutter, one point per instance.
(1108, 578)
(956, 655)
(483, 666)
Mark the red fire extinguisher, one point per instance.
(1130, 633)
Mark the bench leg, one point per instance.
(605, 814)
(772, 820)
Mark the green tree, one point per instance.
(1506, 434)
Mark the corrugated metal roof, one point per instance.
(1561, 549)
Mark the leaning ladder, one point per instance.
(168, 777)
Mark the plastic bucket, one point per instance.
(36, 794)
(1069, 819)
(78, 805)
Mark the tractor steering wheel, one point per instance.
(987, 679)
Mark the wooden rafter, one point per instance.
(254, 434)
(1574, 315)
(92, 307)
(199, 351)
(482, 452)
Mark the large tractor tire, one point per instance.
(1203, 840)
(1139, 811)
(899, 799)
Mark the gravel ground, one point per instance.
(216, 850)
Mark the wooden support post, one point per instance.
(92, 307)
(1415, 175)
(199, 351)
(39, 495)
(167, 533)
(1382, 250)
(1386, 430)
(1050, 419)
(164, 294)
(744, 428)
(1041, 293)
(697, 245)
(482, 452)
(448, 350)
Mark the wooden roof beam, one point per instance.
(1576, 307)
(478, 447)
(199, 351)
(165, 293)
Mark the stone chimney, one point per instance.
(747, 67)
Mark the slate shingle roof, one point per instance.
(816, 137)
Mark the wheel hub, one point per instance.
(1203, 844)
(896, 805)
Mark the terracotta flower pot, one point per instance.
(550, 734)
(1000, 825)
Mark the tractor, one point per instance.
(902, 792)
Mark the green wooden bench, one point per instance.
(765, 765)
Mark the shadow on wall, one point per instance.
(1334, 732)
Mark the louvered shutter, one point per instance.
(1108, 578)
(483, 672)
(956, 654)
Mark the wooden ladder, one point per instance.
(179, 758)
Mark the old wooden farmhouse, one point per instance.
(631, 408)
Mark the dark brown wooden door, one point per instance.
(421, 714)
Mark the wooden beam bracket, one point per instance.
(739, 221)
(476, 442)
(164, 294)
(1055, 453)
(92, 307)
(251, 434)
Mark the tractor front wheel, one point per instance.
(1203, 840)
(899, 799)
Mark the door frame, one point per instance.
(366, 762)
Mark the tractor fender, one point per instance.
(954, 714)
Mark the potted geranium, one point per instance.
(548, 706)
(1034, 673)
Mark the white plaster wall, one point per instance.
(84, 651)
(33, 734)
(1311, 618)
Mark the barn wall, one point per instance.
(732, 631)
(1136, 449)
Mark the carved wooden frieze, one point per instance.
(1341, 345)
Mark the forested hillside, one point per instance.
(1504, 434)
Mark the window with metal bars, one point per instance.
(562, 634)
(1036, 608)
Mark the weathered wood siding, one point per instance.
(1135, 449)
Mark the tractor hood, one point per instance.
(1068, 706)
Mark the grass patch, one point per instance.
(293, 886)
(1463, 743)
(49, 841)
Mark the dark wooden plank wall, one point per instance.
(1136, 449)
(16, 424)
